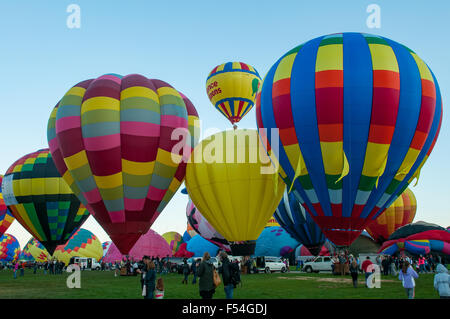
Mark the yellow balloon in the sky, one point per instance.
(232, 88)
(231, 180)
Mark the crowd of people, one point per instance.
(52, 267)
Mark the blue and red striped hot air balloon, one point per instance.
(358, 116)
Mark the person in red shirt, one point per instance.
(366, 263)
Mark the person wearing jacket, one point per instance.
(354, 273)
(442, 281)
(194, 271)
(149, 280)
(186, 271)
(205, 275)
(226, 275)
(407, 275)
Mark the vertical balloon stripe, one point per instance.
(396, 186)
(407, 118)
(358, 74)
(303, 75)
(329, 110)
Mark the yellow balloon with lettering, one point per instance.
(232, 88)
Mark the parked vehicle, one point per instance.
(318, 264)
(269, 264)
(85, 263)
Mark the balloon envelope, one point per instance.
(174, 240)
(41, 200)
(202, 227)
(231, 87)
(9, 248)
(151, 244)
(199, 245)
(81, 244)
(357, 117)
(298, 223)
(37, 250)
(234, 193)
(6, 218)
(419, 239)
(111, 138)
(400, 213)
(275, 241)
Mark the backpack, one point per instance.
(235, 274)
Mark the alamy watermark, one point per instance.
(374, 19)
(74, 279)
(74, 19)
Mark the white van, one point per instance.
(321, 263)
(85, 263)
(269, 264)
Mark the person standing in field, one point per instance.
(186, 271)
(149, 281)
(194, 271)
(442, 281)
(407, 275)
(354, 273)
(364, 267)
(205, 275)
(16, 267)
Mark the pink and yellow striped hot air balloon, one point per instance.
(121, 143)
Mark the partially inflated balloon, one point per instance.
(9, 248)
(298, 223)
(357, 117)
(82, 244)
(37, 250)
(202, 227)
(41, 200)
(400, 213)
(231, 88)
(6, 218)
(229, 179)
(174, 240)
(122, 143)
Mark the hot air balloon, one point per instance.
(199, 245)
(235, 194)
(291, 215)
(231, 87)
(275, 241)
(81, 244)
(272, 222)
(106, 245)
(150, 244)
(9, 248)
(400, 213)
(41, 200)
(357, 117)
(6, 218)
(37, 250)
(202, 227)
(174, 240)
(111, 138)
(419, 238)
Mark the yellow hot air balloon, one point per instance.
(230, 179)
(232, 88)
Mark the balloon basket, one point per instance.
(246, 248)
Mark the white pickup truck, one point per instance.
(85, 263)
(321, 263)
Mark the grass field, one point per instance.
(255, 286)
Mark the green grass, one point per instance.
(255, 286)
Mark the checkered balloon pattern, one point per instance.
(41, 200)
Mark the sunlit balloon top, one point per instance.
(358, 115)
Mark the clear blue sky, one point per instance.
(180, 42)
